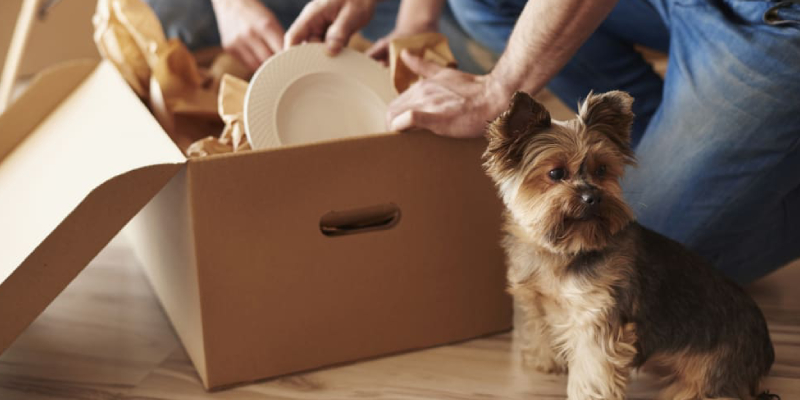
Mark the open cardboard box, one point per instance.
(267, 262)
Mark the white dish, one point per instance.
(302, 95)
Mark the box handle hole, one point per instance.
(359, 220)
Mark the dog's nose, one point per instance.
(590, 197)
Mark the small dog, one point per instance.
(599, 293)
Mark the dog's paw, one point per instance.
(544, 361)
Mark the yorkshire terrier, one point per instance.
(599, 294)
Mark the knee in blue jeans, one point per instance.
(192, 21)
(489, 22)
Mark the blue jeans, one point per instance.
(194, 23)
(718, 139)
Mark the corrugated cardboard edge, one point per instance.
(67, 250)
(200, 354)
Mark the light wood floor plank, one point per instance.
(106, 337)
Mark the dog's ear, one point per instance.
(610, 114)
(509, 132)
(524, 115)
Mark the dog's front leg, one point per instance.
(599, 363)
(532, 331)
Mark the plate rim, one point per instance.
(272, 90)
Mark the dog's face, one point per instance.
(561, 180)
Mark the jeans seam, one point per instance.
(718, 211)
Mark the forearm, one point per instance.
(217, 4)
(419, 15)
(547, 35)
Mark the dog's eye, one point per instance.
(601, 171)
(557, 174)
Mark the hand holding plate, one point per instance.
(332, 20)
(248, 30)
(446, 101)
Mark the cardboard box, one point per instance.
(267, 262)
(47, 32)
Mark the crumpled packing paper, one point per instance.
(164, 73)
(187, 98)
(230, 107)
(431, 46)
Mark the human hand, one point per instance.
(332, 20)
(248, 30)
(446, 101)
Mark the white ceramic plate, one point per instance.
(302, 95)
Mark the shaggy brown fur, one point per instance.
(600, 294)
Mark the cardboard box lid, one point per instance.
(79, 156)
(35, 34)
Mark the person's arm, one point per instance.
(548, 34)
(413, 17)
(248, 30)
(453, 103)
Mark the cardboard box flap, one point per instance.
(79, 156)
(45, 92)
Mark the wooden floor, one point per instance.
(106, 337)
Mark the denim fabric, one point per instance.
(194, 23)
(718, 140)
